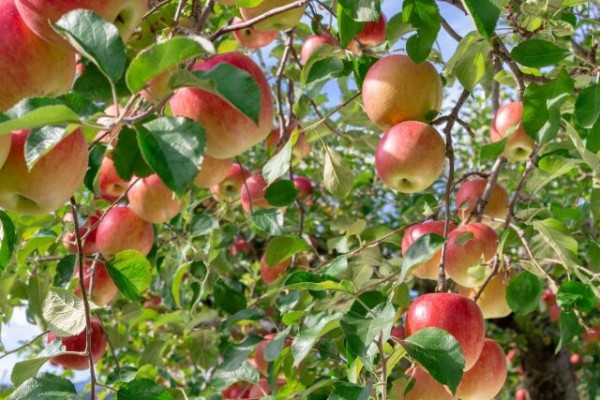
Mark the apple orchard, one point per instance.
(305, 199)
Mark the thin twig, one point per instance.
(29, 343)
(453, 34)
(531, 164)
(483, 201)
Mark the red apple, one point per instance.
(213, 171)
(468, 247)
(425, 387)
(300, 148)
(456, 314)
(125, 14)
(472, 190)
(549, 297)
(229, 132)
(235, 391)
(575, 359)
(373, 33)
(110, 184)
(521, 394)
(410, 157)
(104, 290)
(263, 389)
(270, 273)
(122, 229)
(259, 354)
(485, 380)
(398, 332)
(554, 312)
(231, 186)
(89, 238)
(78, 343)
(51, 181)
(253, 193)
(430, 268)
(492, 301)
(252, 38)
(152, 200)
(30, 66)
(303, 186)
(239, 246)
(592, 336)
(396, 89)
(279, 22)
(508, 118)
(312, 43)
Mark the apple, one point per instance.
(468, 247)
(152, 200)
(554, 312)
(472, 190)
(508, 119)
(259, 354)
(229, 132)
(575, 359)
(279, 22)
(51, 181)
(425, 387)
(4, 148)
(410, 157)
(110, 184)
(454, 313)
(521, 394)
(89, 243)
(492, 301)
(303, 186)
(396, 89)
(213, 171)
(239, 246)
(430, 268)
(78, 343)
(300, 148)
(511, 355)
(263, 389)
(312, 43)
(158, 87)
(235, 391)
(486, 379)
(104, 290)
(270, 273)
(592, 336)
(124, 14)
(252, 38)
(253, 193)
(122, 229)
(373, 33)
(30, 66)
(549, 297)
(231, 186)
(398, 332)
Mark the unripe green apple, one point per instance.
(279, 22)
(78, 343)
(508, 119)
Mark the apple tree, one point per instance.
(311, 199)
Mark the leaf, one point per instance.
(161, 57)
(587, 106)
(96, 156)
(362, 10)
(315, 326)
(396, 28)
(337, 178)
(350, 391)
(128, 158)
(485, 14)
(304, 280)
(569, 328)
(274, 347)
(225, 377)
(281, 193)
(320, 70)
(64, 312)
(424, 15)
(439, 353)
(590, 158)
(268, 220)
(40, 141)
(541, 107)
(131, 272)
(174, 148)
(8, 238)
(279, 164)
(252, 314)
(348, 27)
(556, 235)
(491, 151)
(142, 388)
(45, 387)
(524, 292)
(470, 62)
(24, 370)
(283, 248)
(574, 294)
(232, 84)
(64, 270)
(230, 295)
(536, 53)
(423, 249)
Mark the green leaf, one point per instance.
(8, 239)
(350, 391)
(569, 328)
(64, 270)
(315, 326)
(337, 178)
(423, 249)
(281, 193)
(95, 39)
(283, 248)
(485, 14)
(557, 236)
(541, 107)
(279, 164)
(362, 325)
(40, 141)
(96, 87)
(470, 62)
(320, 70)
(587, 106)
(24, 370)
(225, 377)
(128, 158)
(274, 347)
(536, 53)
(268, 220)
(131, 272)
(161, 57)
(46, 387)
(232, 84)
(348, 27)
(94, 163)
(424, 15)
(230, 295)
(524, 292)
(362, 10)
(491, 151)
(304, 280)
(142, 388)
(252, 314)
(439, 353)
(174, 148)
(63, 312)
(574, 294)
(396, 28)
